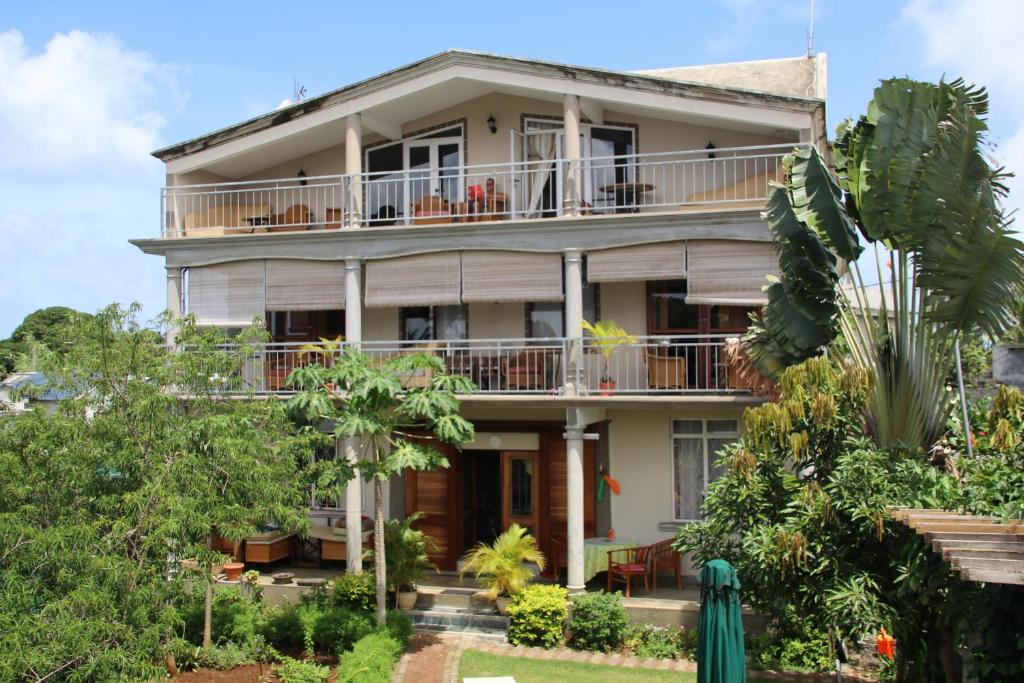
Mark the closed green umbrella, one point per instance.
(720, 656)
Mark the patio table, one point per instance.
(595, 554)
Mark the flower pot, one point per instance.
(282, 578)
(606, 387)
(502, 604)
(233, 571)
(407, 599)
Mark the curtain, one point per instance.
(663, 261)
(227, 294)
(297, 285)
(729, 272)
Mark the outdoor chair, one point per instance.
(626, 563)
(665, 371)
(523, 371)
(664, 556)
(558, 555)
(431, 211)
(295, 219)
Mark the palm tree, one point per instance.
(912, 180)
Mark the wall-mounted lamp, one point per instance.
(710, 147)
(492, 125)
(302, 177)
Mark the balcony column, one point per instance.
(574, 499)
(351, 445)
(573, 320)
(571, 179)
(174, 301)
(354, 168)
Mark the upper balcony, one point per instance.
(440, 191)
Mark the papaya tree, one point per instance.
(398, 409)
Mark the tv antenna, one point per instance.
(810, 31)
(298, 91)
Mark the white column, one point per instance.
(174, 300)
(354, 167)
(574, 499)
(573, 319)
(571, 152)
(354, 489)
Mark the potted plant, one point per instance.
(406, 557)
(502, 568)
(607, 336)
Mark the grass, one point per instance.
(525, 670)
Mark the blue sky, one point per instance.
(87, 90)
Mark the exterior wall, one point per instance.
(626, 304)
(380, 324)
(497, 320)
(640, 455)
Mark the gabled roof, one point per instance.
(350, 98)
(34, 384)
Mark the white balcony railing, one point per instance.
(658, 181)
(554, 367)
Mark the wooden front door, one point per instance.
(435, 494)
(520, 488)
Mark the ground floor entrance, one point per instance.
(510, 474)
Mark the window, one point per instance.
(695, 445)
(668, 311)
(547, 318)
(305, 325)
(421, 323)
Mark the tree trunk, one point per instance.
(378, 550)
(208, 599)
(948, 656)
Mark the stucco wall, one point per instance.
(380, 324)
(497, 320)
(640, 456)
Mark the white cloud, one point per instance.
(78, 121)
(980, 40)
(84, 101)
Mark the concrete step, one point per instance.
(452, 597)
(460, 620)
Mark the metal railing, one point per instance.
(684, 364)
(539, 188)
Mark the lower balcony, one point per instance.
(556, 367)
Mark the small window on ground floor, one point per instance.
(695, 446)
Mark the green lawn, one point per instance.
(525, 670)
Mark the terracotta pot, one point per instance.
(233, 571)
(407, 599)
(502, 604)
(606, 388)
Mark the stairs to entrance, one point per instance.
(458, 610)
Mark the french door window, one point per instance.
(695, 445)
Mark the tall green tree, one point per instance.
(396, 416)
(42, 331)
(914, 181)
(101, 499)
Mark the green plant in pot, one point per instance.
(407, 557)
(608, 336)
(502, 568)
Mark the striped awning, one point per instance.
(495, 276)
(227, 294)
(298, 285)
(420, 280)
(662, 261)
(729, 272)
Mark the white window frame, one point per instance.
(704, 436)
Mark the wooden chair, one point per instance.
(431, 211)
(523, 371)
(295, 219)
(664, 556)
(558, 555)
(665, 371)
(633, 562)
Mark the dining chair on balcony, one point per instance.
(296, 218)
(665, 557)
(523, 371)
(624, 564)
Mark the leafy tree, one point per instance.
(43, 330)
(99, 500)
(802, 512)
(396, 420)
(912, 179)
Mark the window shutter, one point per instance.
(495, 276)
(297, 285)
(421, 280)
(729, 272)
(227, 294)
(663, 261)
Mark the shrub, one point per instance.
(234, 617)
(220, 657)
(339, 628)
(660, 642)
(501, 567)
(281, 626)
(804, 651)
(295, 671)
(599, 621)
(399, 625)
(355, 591)
(371, 660)
(537, 616)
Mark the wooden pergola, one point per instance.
(982, 549)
